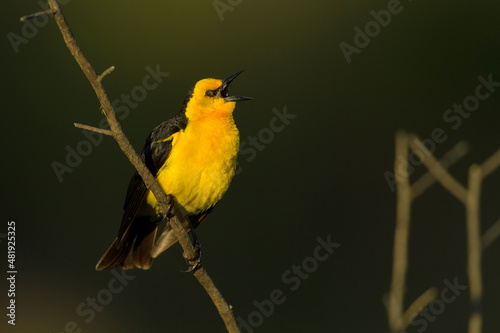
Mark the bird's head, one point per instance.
(211, 96)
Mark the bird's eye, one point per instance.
(210, 93)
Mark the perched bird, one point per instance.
(193, 157)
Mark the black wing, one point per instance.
(137, 234)
(154, 154)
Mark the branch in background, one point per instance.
(476, 243)
(418, 304)
(427, 180)
(491, 164)
(474, 248)
(490, 235)
(164, 201)
(438, 171)
(470, 197)
(400, 250)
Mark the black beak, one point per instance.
(222, 91)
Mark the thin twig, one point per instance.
(106, 72)
(491, 164)
(94, 129)
(163, 201)
(32, 16)
(427, 180)
(437, 170)
(490, 235)
(414, 309)
(474, 248)
(400, 249)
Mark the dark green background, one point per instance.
(322, 175)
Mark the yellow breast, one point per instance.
(201, 164)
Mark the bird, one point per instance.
(193, 156)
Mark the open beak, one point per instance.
(222, 92)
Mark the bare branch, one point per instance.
(427, 180)
(491, 164)
(414, 309)
(400, 249)
(94, 129)
(106, 72)
(474, 248)
(490, 235)
(35, 15)
(437, 170)
(163, 201)
(475, 243)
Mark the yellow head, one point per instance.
(210, 97)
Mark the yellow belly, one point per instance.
(200, 166)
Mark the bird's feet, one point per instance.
(195, 261)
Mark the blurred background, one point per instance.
(319, 140)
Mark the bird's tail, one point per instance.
(133, 249)
(168, 238)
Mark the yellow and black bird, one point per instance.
(193, 157)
